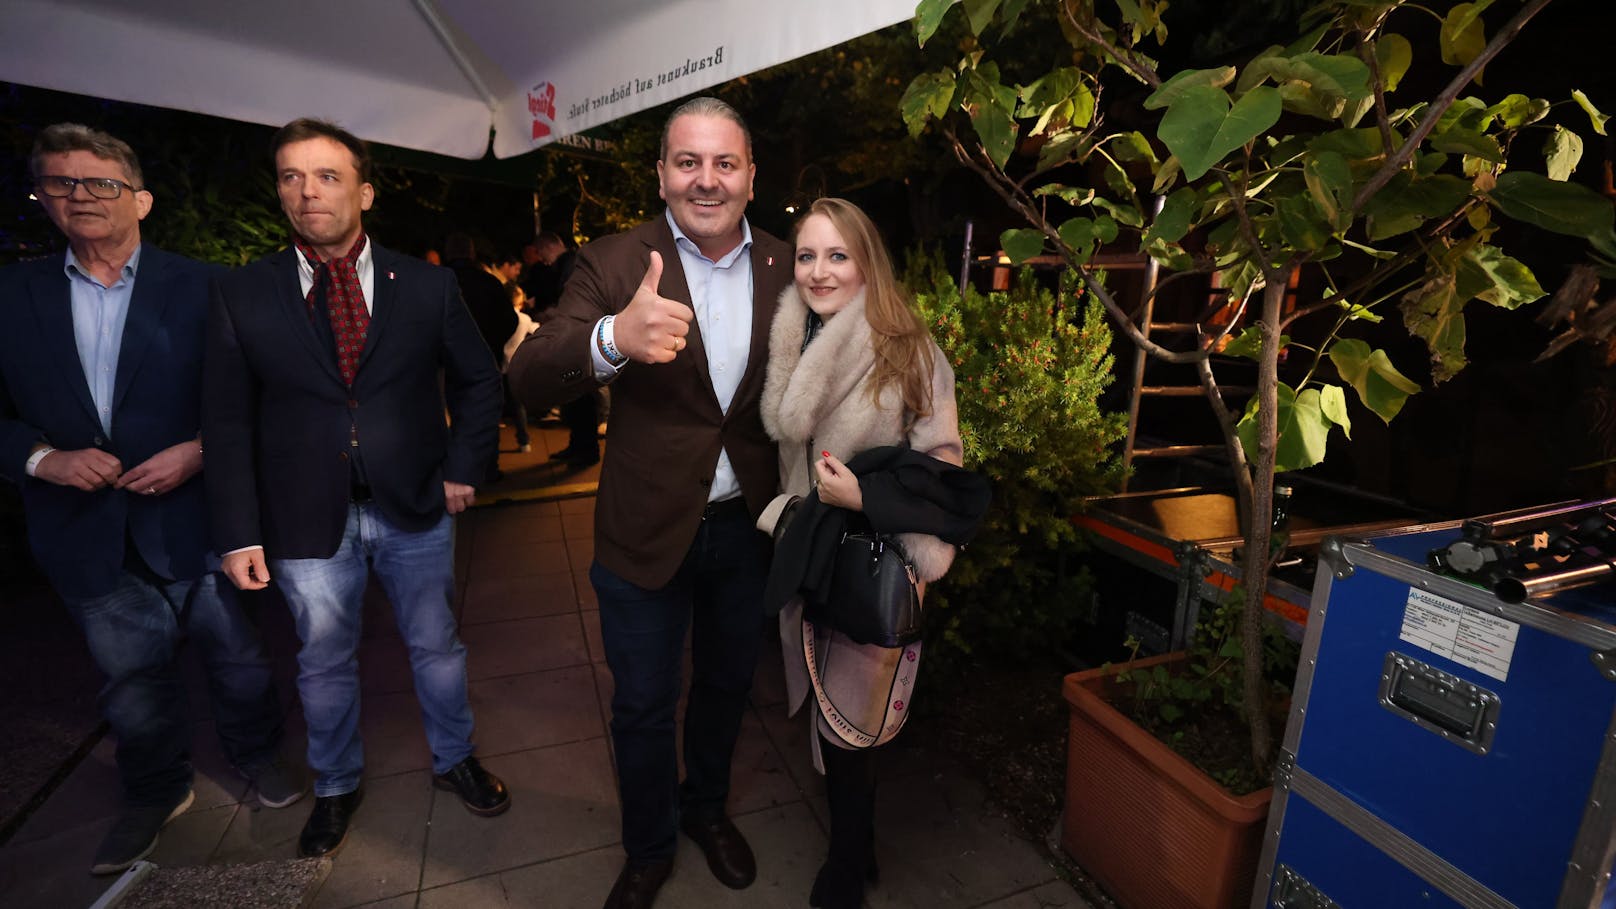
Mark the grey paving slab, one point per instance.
(193, 837)
(580, 552)
(531, 523)
(789, 851)
(585, 590)
(1053, 895)
(939, 844)
(591, 623)
(577, 525)
(519, 712)
(578, 506)
(518, 558)
(576, 880)
(258, 834)
(496, 649)
(563, 801)
(382, 856)
(496, 598)
(53, 871)
(758, 775)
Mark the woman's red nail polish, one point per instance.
(825, 454)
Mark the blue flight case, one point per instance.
(1446, 747)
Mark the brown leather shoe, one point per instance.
(728, 855)
(480, 791)
(637, 885)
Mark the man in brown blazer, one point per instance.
(675, 314)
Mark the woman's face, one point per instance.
(827, 276)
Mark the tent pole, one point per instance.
(429, 12)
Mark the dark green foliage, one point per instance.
(1029, 368)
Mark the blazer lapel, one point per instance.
(144, 322)
(53, 306)
(763, 306)
(295, 306)
(384, 293)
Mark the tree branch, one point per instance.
(1443, 101)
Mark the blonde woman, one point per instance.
(851, 369)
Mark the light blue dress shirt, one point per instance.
(99, 314)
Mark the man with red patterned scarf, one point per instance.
(329, 368)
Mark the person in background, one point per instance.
(330, 366)
(100, 428)
(675, 314)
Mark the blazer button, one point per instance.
(98, 441)
(572, 375)
(705, 482)
(342, 456)
(352, 404)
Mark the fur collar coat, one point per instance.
(819, 400)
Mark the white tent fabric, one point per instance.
(433, 75)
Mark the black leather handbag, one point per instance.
(873, 598)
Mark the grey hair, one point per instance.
(61, 138)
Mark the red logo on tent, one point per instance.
(541, 104)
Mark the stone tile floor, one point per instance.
(541, 694)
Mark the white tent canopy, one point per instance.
(433, 75)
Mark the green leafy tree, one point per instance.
(1309, 153)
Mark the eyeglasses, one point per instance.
(99, 187)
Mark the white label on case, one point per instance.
(1484, 642)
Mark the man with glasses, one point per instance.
(100, 407)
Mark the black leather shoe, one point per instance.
(727, 853)
(327, 825)
(637, 885)
(480, 791)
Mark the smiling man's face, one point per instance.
(706, 179)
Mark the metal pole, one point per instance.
(965, 260)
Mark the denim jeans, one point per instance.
(134, 634)
(719, 590)
(326, 596)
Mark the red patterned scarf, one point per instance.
(338, 281)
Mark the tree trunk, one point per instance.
(1260, 531)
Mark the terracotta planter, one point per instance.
(1149, 826)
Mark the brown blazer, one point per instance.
(666, 428)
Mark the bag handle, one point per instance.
(897, 702)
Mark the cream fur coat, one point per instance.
(819, 400)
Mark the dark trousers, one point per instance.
(581, 416)
(717, 595)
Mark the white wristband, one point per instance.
(35, 458)
(608, 345)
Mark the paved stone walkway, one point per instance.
(541, 692)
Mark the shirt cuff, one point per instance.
(242, 549)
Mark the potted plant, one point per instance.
(1304, 154)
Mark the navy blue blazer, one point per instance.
(78, 537)
(280, 424)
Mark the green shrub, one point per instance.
(1029, 367)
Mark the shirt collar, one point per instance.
(361, 264)
(71, 266)
(688, 245)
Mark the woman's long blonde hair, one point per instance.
(902, 344)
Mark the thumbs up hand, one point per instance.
(652, 328)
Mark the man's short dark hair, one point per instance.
(61, 138)
(706, 106)
(305, 128)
